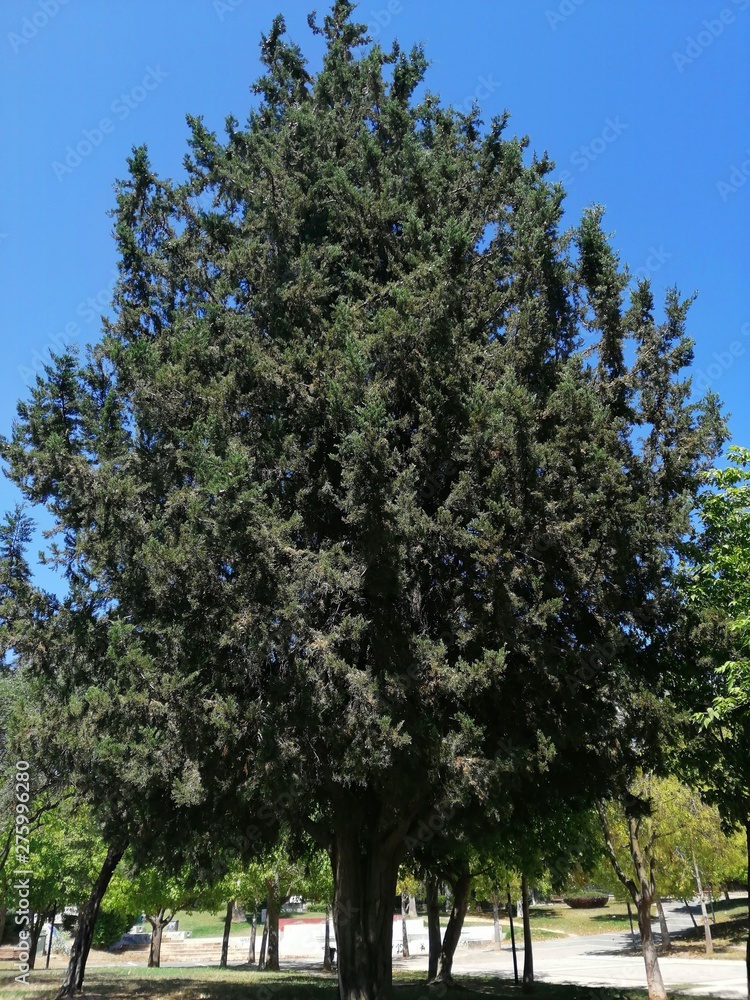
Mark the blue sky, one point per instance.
(643, 106)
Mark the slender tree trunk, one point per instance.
(404, 932)
(365, 873)
(253, 931)
(512, 938)
(327, 943)
(528, 951)
(692, 915)
(433, 927)
(654, 979)
(496, 921)
(632, 930)
(642, 893)
(272, 922)
(225, 937)
(666, 940)
(36, 930)
(158, 922)
(79, 951)
(452, 936)
(263, 945)
(3, 904)
(238, 913)
(706, 924)
(412, 907)
(727, 897)
(51, 935)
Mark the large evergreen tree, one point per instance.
(359, 489)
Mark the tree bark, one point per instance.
(496, 921)
(158, 922)
(3, 904)
(36, 930)
(632, 931)
(263, 944)
(528, 950)
(433, 927)
(666, 940)
(225, 937)
(327, 942)
(642, 893)
(51, 935)
(238, 913)
(690, 911)
(412, 907)
(272, 923)
(365, 870)
(72, 984)
(404, 932)
(461, 886)
(251, 952)
(704, 911)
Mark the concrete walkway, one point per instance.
(607, 960)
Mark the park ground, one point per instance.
(602, 936)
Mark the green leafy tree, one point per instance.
(358, 485)
(717, 580)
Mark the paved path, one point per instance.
(608, 960)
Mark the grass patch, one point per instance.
(244, 984)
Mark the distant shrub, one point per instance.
(585, 902)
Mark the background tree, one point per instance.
(718, 582)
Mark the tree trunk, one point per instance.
(433, 927)
(225, 937)
(3, 904)
(158, 923)
(79, 951)
(365, 871)
(51, 935)
(263, 945)
(238, 913)
(461, 886)
(642, 893)
(404, 932)
(412, 907)
(327, 942)
(528, 951)
(36, 929)
(666, 940)
(272, 923)
(251, 953)
(706, 924)
(690, 911)
(654, 979)
(632, 931)
(496, 921)
(512, 938)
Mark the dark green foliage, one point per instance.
(110, 926)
